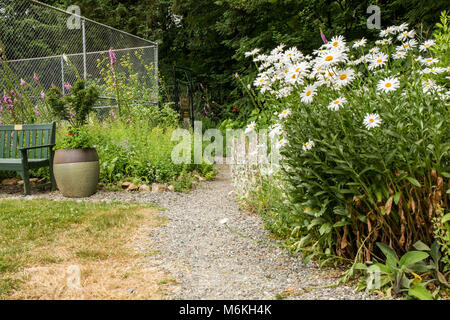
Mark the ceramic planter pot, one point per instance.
(76, 172)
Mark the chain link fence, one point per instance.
(35, 36)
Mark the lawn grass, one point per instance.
(41, 239)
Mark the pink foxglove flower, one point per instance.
(42, 95)
(22, 82)
(112, 57)
(36, 79)
(323, 37)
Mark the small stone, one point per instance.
(132, 187)
(125, 185)
(199, 177)
(130, 291)
(171, 188)
(20, 183)
(144, 188)
(158, 187)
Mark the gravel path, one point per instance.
(210, 262)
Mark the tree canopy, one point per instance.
(210, 37)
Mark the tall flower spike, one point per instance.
(112, 57)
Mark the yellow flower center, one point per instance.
(330, 74)
(343, 76)
(405, 45)
(298, 69)
(427, 84)
(388, 85)
(429, 60)
(336, 102)
(308, 93)
(379, 60)
(335, 44)
(329, 58)
(371, 120)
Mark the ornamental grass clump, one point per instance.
(366, 140)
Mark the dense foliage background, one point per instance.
(210, 37)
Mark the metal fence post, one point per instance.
(83, 32)
(62, 74)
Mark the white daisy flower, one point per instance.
(433, 70)
(276, 130)
(388, 84)
(360, 43)
(408, 45)
(374, 50)
(401, 27)
(427, 44)
(387, 32)
(399, 55)
(337, 104)
(330, 58)
(260, 81)
(282, 142)
(345, 77)
(429, 61)
(405, 35)
(250, 127)
(378, 60)
(308, 93)
(371, 120)
(252, 53)
(428, 85)
(337, 42)
(308, 145)
(283, 114)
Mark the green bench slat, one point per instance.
(13, 138)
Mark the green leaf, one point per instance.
(419, 245)
(414, 181)
(412, 257)
(391, 256)
(397, 197)
(325, 228)
(360, 266)
(446, 217)
(420, 293)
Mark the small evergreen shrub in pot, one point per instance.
(76, 163)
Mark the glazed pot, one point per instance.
(76, 172)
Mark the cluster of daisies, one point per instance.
(285, 72)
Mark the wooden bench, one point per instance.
(27, 146)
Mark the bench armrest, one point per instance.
(37, 147)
